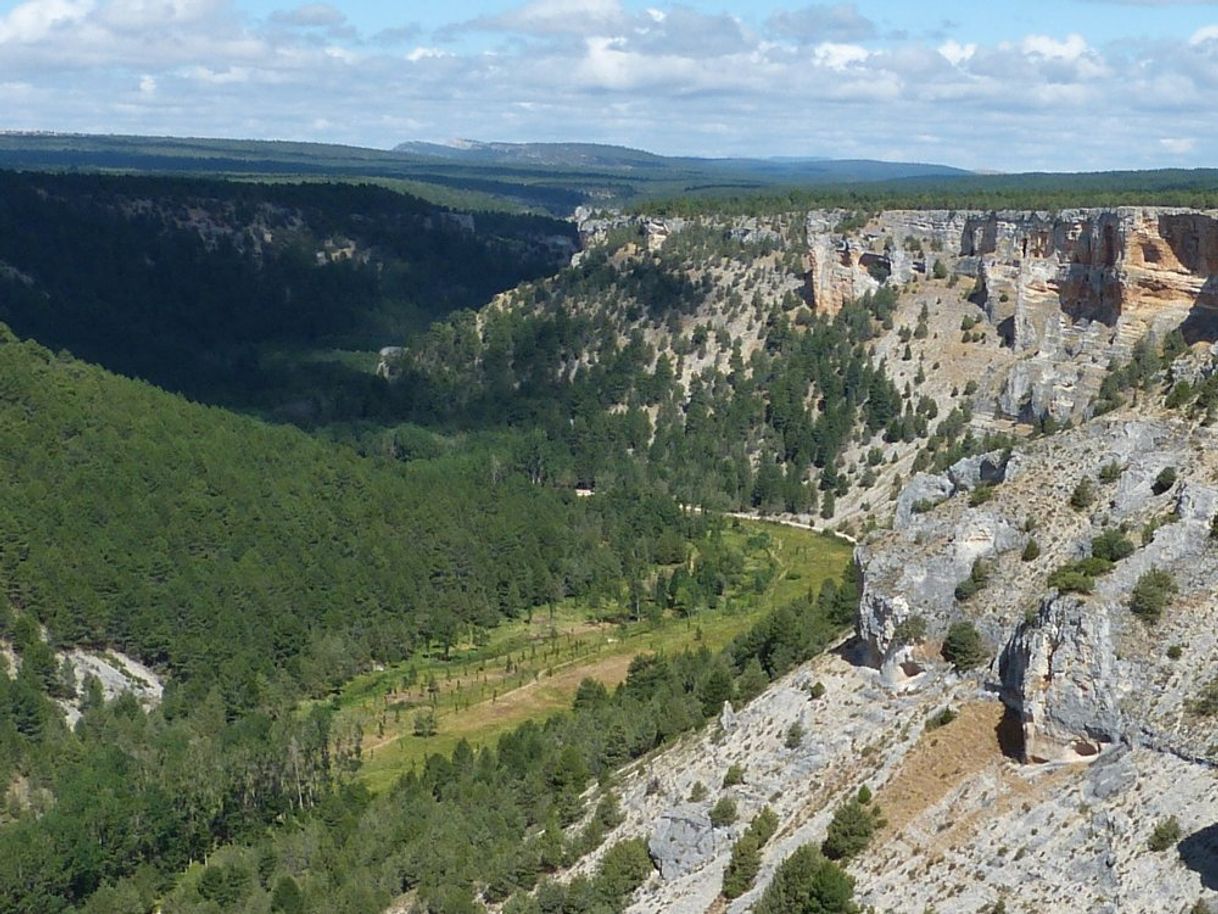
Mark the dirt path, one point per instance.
(785, 520)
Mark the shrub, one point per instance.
(625, 867)
(1180, 394)
(765, 825)
(854, 822)
(723, 813)
(963, 647)
(698, 792)
(941, 719)
(1031, 550)
(1214, 527)
(1069, 580)
(923, 505)
(1112, 545)
(734, 776)
(425, 724)
(746, 854)
(1165, 835)
(980, 495)
(807, 882)
(742, 867)
(910, 630)
(1206, 704)
(1093, 566)
(939, 271)
(1111, 472)
(795, 735)
(1164, 481)
(1175, 652)
(1152, 593)
(816, 690)
(1083, 495)
(977, 579)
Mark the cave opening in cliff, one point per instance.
(1201, 325)
(1006, 331)
(1108, 250)
(1010, 735)
(980, 293)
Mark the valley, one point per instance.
(529, 670)
(673, 559)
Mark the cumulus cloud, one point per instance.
(817, 80)
(689, 33)
(310, 15)
(551, 17)
(836, 56)
(955, 52)
(1178, 145)
(35, 20)
(823, 22)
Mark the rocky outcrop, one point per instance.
(1068, 291)
(1059, 676)
(896, 589)
(683, 840)
(1032, 269)
(389, 362)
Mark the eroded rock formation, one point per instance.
(1033, 271)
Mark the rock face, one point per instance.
(683, 840)
(1059, 676)
(895, 590)
(1080, 673)
(1030, 267)
(1057, 286)
(389, 362)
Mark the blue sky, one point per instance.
(1028, 85)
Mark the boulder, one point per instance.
(683, 840)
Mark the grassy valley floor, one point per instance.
(531, 669)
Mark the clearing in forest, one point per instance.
(530, 669)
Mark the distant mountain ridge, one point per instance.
(601, 155)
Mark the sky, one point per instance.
(1014, 85)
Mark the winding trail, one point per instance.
(786, 520)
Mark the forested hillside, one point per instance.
(257, 569)
(234, 292)
(227, 550)
(701, 366)
(251, 565)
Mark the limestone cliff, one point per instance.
(1065, 291)
(1035, 271)
(1080, 733)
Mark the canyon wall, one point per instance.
(1035, 273)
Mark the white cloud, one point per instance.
(553, 17)
(320, 15)
(673, 78)
(821, 22)
(1178, 145)
(1074, 47)
(839, 56)
(34, 20)
(422, 53)
(957, 53)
